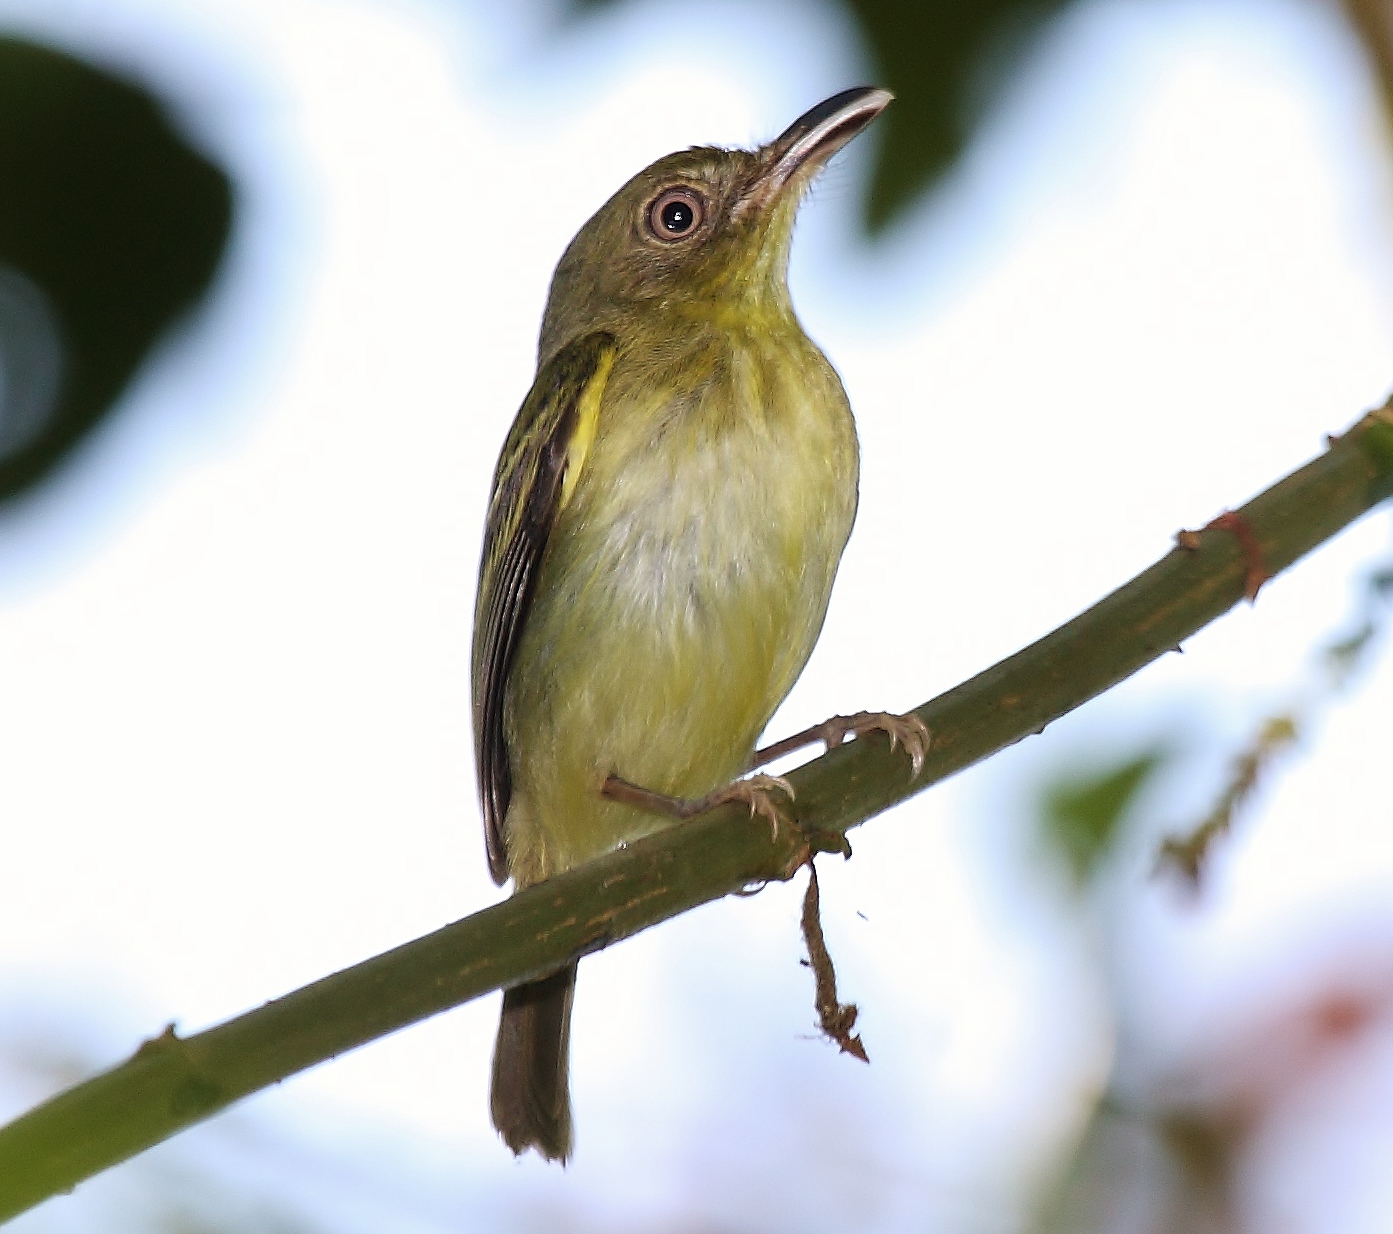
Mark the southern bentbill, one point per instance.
(666, 520)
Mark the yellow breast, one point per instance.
(684, 586)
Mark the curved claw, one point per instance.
(914, 735)
(906, 730)
(756, 792)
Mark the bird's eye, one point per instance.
(675, 214)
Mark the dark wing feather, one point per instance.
(522, 512)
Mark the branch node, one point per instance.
(1256, 573)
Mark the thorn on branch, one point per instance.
(835, 1019)
(154, 1045)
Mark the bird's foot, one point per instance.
(757, 792)
(754, 791)
(906, 730)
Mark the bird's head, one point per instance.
(704, 232)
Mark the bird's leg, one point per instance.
(906, 730)
(754, 791)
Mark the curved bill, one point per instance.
(814, 138)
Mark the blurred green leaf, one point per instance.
(945, 60)
(111, 227)
(1083, 815)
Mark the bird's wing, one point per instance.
(536, 474)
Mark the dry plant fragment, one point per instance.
(1187, 855)
(835, 1019)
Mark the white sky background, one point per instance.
(234, 636)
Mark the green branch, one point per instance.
(171, 1083)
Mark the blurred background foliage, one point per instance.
(1167, 1152)
(112, 225)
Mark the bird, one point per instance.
(666, 519)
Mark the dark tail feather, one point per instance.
(531, 1102)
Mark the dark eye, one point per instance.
(675, 214)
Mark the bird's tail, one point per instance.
(531, 1101)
